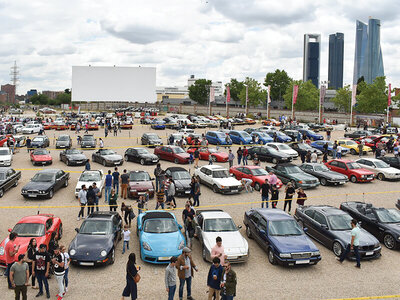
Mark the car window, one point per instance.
(368, 163)
(255, 217)
(262, 224)
(320, 218)
(341, 165)
(310, 213)
(246, 171)
(49, 222)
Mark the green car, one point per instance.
(291, 173)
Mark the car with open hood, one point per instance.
(73, 157)
(88, 177)
(219, 179)
(45, 183)
(107, 157)
(288, 172)
(181, 178)
(41, 157)
(140, 183)
(140, 155)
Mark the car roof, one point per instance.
(176, 169)
(214, 167)
(287, 165)
(102, 215)
(157, 215)
(370, 159)
(312, 164)
(250, 167)
(49, 171)
(273, 214)
(40, 218)
(215, 215)
(343, 160)
(90, 171)
(327, 209)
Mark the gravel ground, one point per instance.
(257, 279)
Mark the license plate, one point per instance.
(369, 253)
(164, 258)
(45, 162)
(302, 262)
(342, 182)
(86, 263)
(154, 160)
(235, 191)
(232, 257)
(187, 192)
(141, 193)
(116, 163)
(32, 195)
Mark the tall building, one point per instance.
(335, 64)
(52, 94)
(9, 89)
(368, 61)
(311, 58)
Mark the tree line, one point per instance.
(41, 99)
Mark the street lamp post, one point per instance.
(247, 98)
(322, 91)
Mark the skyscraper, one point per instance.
(335, 64)
(368, 61)
(311, 55)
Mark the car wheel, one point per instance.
(1, 193)
(353, 151)
(142, 161)
(51, 194)
(248, 232)
(257, 186)
(126, 158)
(204, 254)
(389, 241)
(112, 256)
(176, 161)
(323, 181)
(66, 183)
(60, 232)
(275, 161)
(337, 249)
(330, 153)
(381, 176)
(213, 158)
(215, 189)
(68, 163)
(16, 182)
(271, 257)
(353, 179)
(104, 163)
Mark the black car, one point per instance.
(266, 153)
(332, 227)
(40, 141)
(88, 141)
(73, 157)
(292, 133)
(45, 183)
(181, 178)
(151, 139)
(140, 155)
(303, 148)
(63, 141)
(383, 223)
(398, 203)
(324, 175)
(357, 134)
(107, 157)
(96, 239)
(8, 179)
(391, 160)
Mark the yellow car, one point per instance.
(353, 146)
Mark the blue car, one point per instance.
(158, 124)
(311, 134)
(262, 137)
(281, 237)
(160, 236)
(280, 136)
(217, 138)
(320, 146)
(240, 137)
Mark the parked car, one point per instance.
(140, 155)
(351, 169)
(151, 139)
(140, 183)
(45, 183)
(357, 134)
(96, 240)
(63, 141)
(157, 124)
(213, 223)
(392, 161)
(332, 227)
(292, 133)
(353, 146)
(40, 141)
(219, 179)
(280, 136)
(6, 156)
(205, 152)
(398, 203)
(172, 153)
(266, 153)
(181, 178)
(160, 236)
(288, 172)
(240, 137)
(217, 138)
(73, 157)
(281, 237)
(324, 175)
(31, 128)
(8, 178)
(383, 223)
(381, 169)
(88, 141)
(311, 134)
(39, 227)
(262, 137)
(280, 147)
(257, 174)
(41, 157)
(303, 148)
(88, 177)
(107, 157)
(320, 146)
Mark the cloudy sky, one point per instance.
(216, 39)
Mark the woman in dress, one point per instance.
(131, 272)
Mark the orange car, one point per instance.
(272, 122)
(48, 126)
(249, 121)
(126, 125)
(93, 126)
(61, 126)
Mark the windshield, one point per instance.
(43, 177)
(160, 226)
(284, 227)
(74, 151)
(220, 224)
(220, 134)
(305, 147)
(96, 227)
(180, 175)
(90, 176)
(220, 174)
(321, 168)
(353, 166)
(340, 222)
(388, 215)
(29, 229)
(142, 151)
(40, 152)
(244, 134)
(38, 139)
(213, 150)
(278, 133)
(263, 134)
(107, 152)
(283, 147)
(4, 152)
(178, 150)
(139, 176)
(293, 170)
(2, 176)
(351, 143)
(381, 164)
(153, 136)
(63, 138)
(259, 172)
(87, 138)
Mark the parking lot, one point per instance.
(257, 279)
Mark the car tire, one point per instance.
(16, 182)
(68, 163)
(380, 176)
(112, 256)
(257, 186)
(271, 257)
(353, 151)
(126, 158)
(66, 183)
(213, 158)
(337, 249)
(323, 181)
(203, 253)
(275, 161)
(60, 232)
(248, 232)
(215, 188)
(389, 241)
(353, 179)
(176, 161)
(51, 193)
(104, 163)
(142, 161)
(1, 193)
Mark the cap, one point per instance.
(43, 246)
(186, 250)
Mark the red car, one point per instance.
(192, 138)
(140, 182)
(255, 173)
(217, 156)
(41, 157)
(39, 226)
(93, 126)
(61, 126)
(4, 138)
(350, 168)
(172, 153)
(371, 141)
(125, 125)
(48, 126)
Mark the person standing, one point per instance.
(59, 262)
(303, 157)
(127, 213)
(170, 278)
(354, 244)
(115, 176)
(41, 266)
(229, 282)
(190, 229)
(274, 195)
(10, 250)
(160, 198)
(19, 276)
(124, 184)
(67, 261)
(159, 174)
(245, 154)
(141, 203)
(314, 157)
(28, 143)
(196, 157)
(301, 197)
(82, 201)
(272, 180)
(108, 187)
(91, 200)
(113, 200)
(334, 149)
(231, 157)
(185, 266)
(132, 278)
(97, 193)
(171, 194)
(239, 154)
(101, 143)
(218, 251)
(87, 165)
(196, 195)
(214, 279)
(265, 188)
(308, 156)
(30, 253)
(127, 238)
(187, 211)
(360, 147)
(328, 135)
(290, 191)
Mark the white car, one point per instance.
(18, 128)
(31, 128)
(214, 223)
(219, 179)
(5, 157)
(281, 147)
(381, 169)
(88, 177)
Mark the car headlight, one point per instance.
(146, 246)
(222, 186)
(24, 191)
(72, 252)
(363, 176)
(181, 245)
(315, 253)
(1, 251)
(398, 238)
(103, 253)
(285, 255)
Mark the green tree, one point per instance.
(373, 97)
(342, 99)
(39, 99)
(307, 96)
(64, 98)
(279, 82)
(235, 87)
(255, 92)
(198, 92)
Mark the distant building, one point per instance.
(3, 97)
(164, 93)
(31, 93)
(335, 64)
(52, 94)
(218, 87)
(9, 89)
(311, 58)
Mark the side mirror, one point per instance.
(140, 228)
(180, 226)
(305, 229)
(239, 227)
(77, 230)
(151, 178)
(323, 226)
(262, 231)
(9, 229)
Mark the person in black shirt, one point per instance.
(41, 266)
(265, 188)
(91, 200)
(115, 176)
(131, 272)
(290, 191)
(187, 211)
(274, 195)
(53, 243)
(28, 143)
(30, 254)
(59, 270)
(196, 157)
(308, 156)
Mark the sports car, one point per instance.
(280, 147)
(266, 153)
(88, 141)
(291, 173)
(351, 169)
(45, 183)
(60, 126)
(40, 141)
(160, 236)
(63, 141)
(353, 146)
(181, 178)
(381, 169)
(311, 134)
(324, 175)
(151, 139)
(257, 174)
(41, 157)
(172, 153)
(216, 155)
(140, 182)
(303, 148)
(320, 146)
(40, 227)
(87, 178)
(73, 157)
(93, 126)
(96, 239)
(140, 155)
(107, 157)
(357, 134)
(219, 179)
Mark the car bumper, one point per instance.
(364, 180)
(162, 258)
(90, 263)
(238, 259)
(366, 254)
(308, 185)
(184, 192)
(231, 190)
(288, 262)
(337, 182)
(77, 162)
(43, 163)
(137, 194)
(35, 195)
(114, 163)
(392, 176)
(5, 163)
(88, 146)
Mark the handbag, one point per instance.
(136, 278)
(131, 215)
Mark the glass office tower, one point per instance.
(311, 58)
(335, 63)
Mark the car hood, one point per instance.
(23, 241)
(141, 184)
(112, 157)
(227, 181)
(303, 176)
(79, 184)
(37, 142)
(37, 186)
(86, 243)
(231, 240)
(162, 242)
(88, 142)
(362, 171)
(365, 237)
(62, 143)
(182, 183)
(183, 155)
(149, 156)
(5, 157)
(390, 170)
(76, 157)
(298, 243)
(155, 140)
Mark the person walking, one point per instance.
(97, 193)
(301, 197)
(245, 154)
(128, 214)
(11, 249)
(160, 198)
(67, 261)
(108, 187)
(91, 200)
(115, 176)
(170, 278)
(354, 244)
(360, 147)
(187, 211)
(159, 174)
(290, 191)
(314, 157)
(228, 283)
(19, 276)
(132, 278)
(124, 184)
(185, 266)
(59, 261)
(28, 143)
(113, 200)
(231, 157)
(41, 267)
(127, 238)
(239, 154)
(82, 201)
(30, 253)
(334, 149)
(219, 251)
(87, 165)
(171, 194)
(339, 152)
(265, 189)
(196, 195)
(214, 279)
(274, 195)
(190, 229)
(101, 143)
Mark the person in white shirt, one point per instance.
(66, 266)
(127, 238)
(339, 152)
(314, 157)
(246, 182)
(82, 200)
(354, 243)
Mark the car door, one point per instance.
(59, 180)
(264, 154)
(169, 153)
(204, 153)
(133, 155)
(370, 223)
(253, 225)
(321, 228)
(333, 165)
(238, 172)
(307, 219)
(10, 176)
(262, 232)
(208, 178)
(246, 173)
(281, 173)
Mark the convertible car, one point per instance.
(324, 175)
(107, 157)
(41, 157)
(257, 174)
(216, 155)
(8, 179)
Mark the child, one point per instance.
(127, 237)
(274, 196)
(170, 278)
(210, 160)
(160, 198)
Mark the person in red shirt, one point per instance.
(245, 154)
(11, 250)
